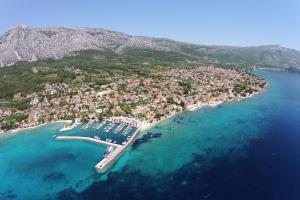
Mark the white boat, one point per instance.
(98, 126)
(127, 129)
(119, 128)
(109, 127)
(102, 123)
(85, 126)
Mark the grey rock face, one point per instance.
(23, 43)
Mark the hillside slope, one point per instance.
(23, 43)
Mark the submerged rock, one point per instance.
(145, 138)
(54, 177)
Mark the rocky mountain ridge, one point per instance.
(24, 43)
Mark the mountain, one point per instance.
(266, 56)
(24, 43)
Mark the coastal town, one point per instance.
(146, 98)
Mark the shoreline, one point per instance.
(271, 68)
(17, 130)
(196, 107)
(104, 164)
(146, 126)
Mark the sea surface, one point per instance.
(243, 150)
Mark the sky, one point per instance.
(221, 22)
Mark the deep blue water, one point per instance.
(245, 150)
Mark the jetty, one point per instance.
(88, 139)
(105, 163)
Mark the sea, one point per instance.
(236, 151)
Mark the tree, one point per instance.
(7, 125)
(170, 100)
(182, 104)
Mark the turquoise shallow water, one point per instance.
(34, 165)
(231, 151)
(208, 132)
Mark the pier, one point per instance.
(105, 163)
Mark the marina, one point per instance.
(117, 134)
